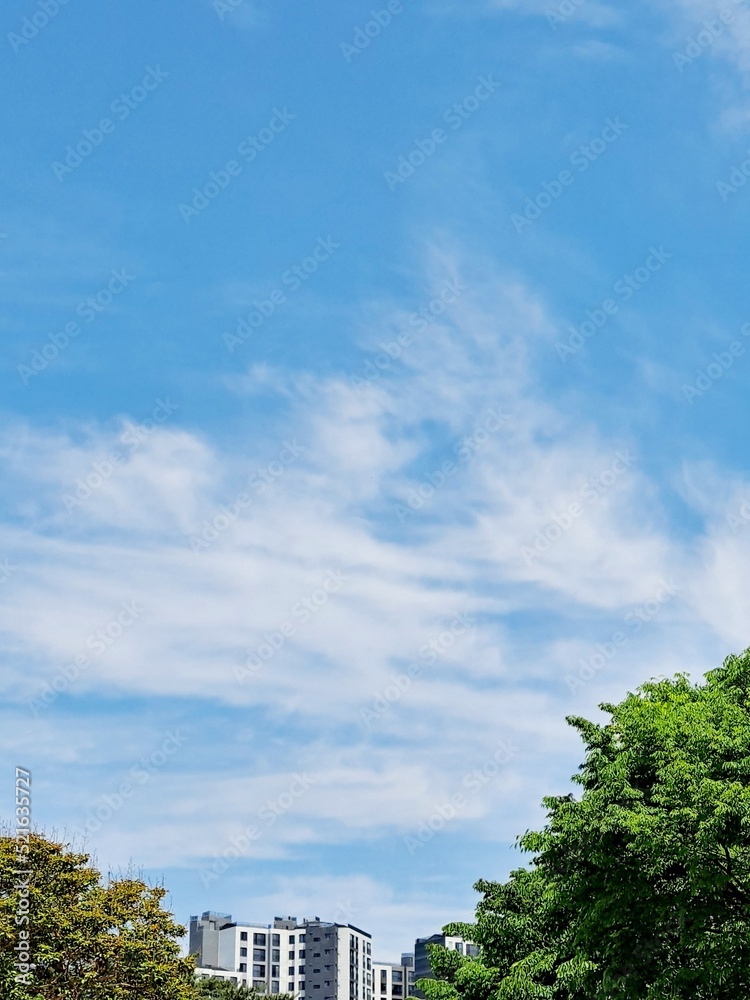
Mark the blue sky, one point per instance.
(477, 458)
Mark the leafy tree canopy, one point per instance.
(86, 940)
(638, 888)
(211, 988)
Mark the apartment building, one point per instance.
(270, 957)
(339, 962)
(393, 981)
(313, 959)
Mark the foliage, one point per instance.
(638, 889)
(212, 988)
(88, 941)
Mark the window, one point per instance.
(301, 969)
(259, 971)
(259, 954)
(327, 951)
(398, 991)
(369, 963)
(316, 954)
(274, 972)
(275, 939)
(327, 934)
(243, 967)
(291, 987)
(274, 986)
(291, 939)
(369, 947)
(316, 970)
(260, 985)
(243, 952)
(302, 953)
(398, 976)
(259, 939)
(301, 938)
(275, 955)
(291, 954)
(243, 935)
(290, 970)
(316, 939)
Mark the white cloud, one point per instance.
(332, 509)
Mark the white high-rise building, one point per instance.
(270, 957)
(312, 959)
(393, 980)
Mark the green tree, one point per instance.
(211, 988)
(639, 887)
(87, 940)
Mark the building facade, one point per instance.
(339, 964)
(311, 959)
(271, 957)
(393, 981)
